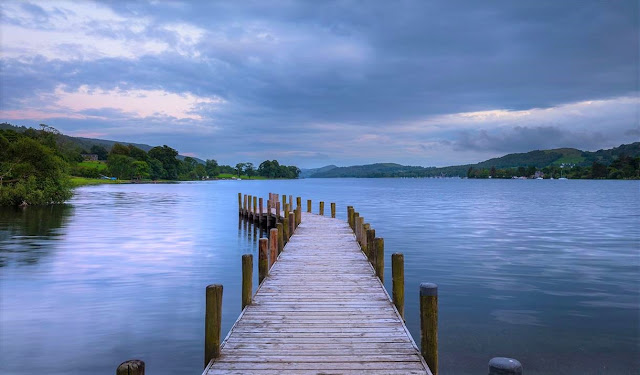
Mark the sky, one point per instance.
(312, 83)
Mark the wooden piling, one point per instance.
(212, 322)
(504, 366)
(298, 202)
(365, 228)
(268, 218)
(379, 258)
(291, 201)
(244, 206)
(292, 223)
(333, 210)
(131, 367)
(309, 205)
(263, 259)
(285, 228)
(349, 211)
(255, 208)
(284, 201)
(369, 250)
(354, 221)
(359, 228)
(321, 209)
(249, 214)
(298, 216)
(429, 325)
(260, 211)
(280, 228)
(240, 203)
(397, 275)
(273, 246)
(247, 279)
(278, 213)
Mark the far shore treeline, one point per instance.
(40, 167)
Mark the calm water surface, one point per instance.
(543, 271)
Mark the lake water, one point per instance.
(543, 271)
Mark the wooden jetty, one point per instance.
(321, 306)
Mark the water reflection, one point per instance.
(25, 232)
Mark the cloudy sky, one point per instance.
(311, 83)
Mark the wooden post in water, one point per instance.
(365, 228)
(284, 201)
(333, 210)
(247, 279)
(397, 275)
(263, 259)
(278, 213)
(131, 367)
(291, 201)
(260, 211)
(244, 206)
(379, 250)
(269, 213)
(349, 211)
(298, 202)
(504, 366)
(292, 224)
(359, 227)
(240, 203)
(212, 322)
(354, 221)
(249, 215)
(273, 246)
(298, 216)
(285, 227)
(309, 205)
(369, 250)
(429, 325)
(255, 208)
(280, 228)
(321, 209)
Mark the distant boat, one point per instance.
(562, 178)
(539, 178)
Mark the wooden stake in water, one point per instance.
(273, 246)
(429, 325)
(333, 210)
(212, 323)
(260, 211)
(263, 259)
(397, 275)
(379, 265)
(240, 203)
(369, 250)
(247, 279)
(280, 228)
(321, 209)
(309, 205)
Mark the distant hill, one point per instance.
(538, 158)
(307, 172)
(86, 143)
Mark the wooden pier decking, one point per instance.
(321, 310)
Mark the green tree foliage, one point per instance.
(156, 171)
(167, 156)
(120, 166)
(119, 149)
(273, 169)
(32, 169)
(211, 168)
(100, 151)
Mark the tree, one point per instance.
(248, 169)
(138, 153)
(140, 170)
(167, 156)
(155, 169)
(119, 149)
(100, 151)
(492, 173)
(211, 167)
(121, 166)
(239, 168)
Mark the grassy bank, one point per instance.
(244, 177)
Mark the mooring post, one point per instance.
(504, 366)
(284, 202)
(349, 212)
(268, 213)
(291, 201)
(285, 227)
(273, 246)
(333, 210)
(354, 221)
(298, 216)
(379, 265)
(359, 228)
(240, 203)
(429, 325)
(397, 275)
(369, 250)
(212, 322)
(277, 213)
(309, 205)
(260, 211)
(280, 228)
(321, 209)
(298, 201)
(365, 228)
(249, 216)
(244, 206)
(131, 367)
(255, 207)
(247, 279)
(263, 259)
(292, 223)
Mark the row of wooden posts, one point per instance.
(280, 231)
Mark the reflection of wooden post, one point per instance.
(309, 205)
(131, 367)
(212, 323)
(504, 366)
(397, 275)
(333, 210)
(273, 246)
(247, 279)
(429, 325)
(280, 237)
(263, 259)
(321, 208)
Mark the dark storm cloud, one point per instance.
(284, 65)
